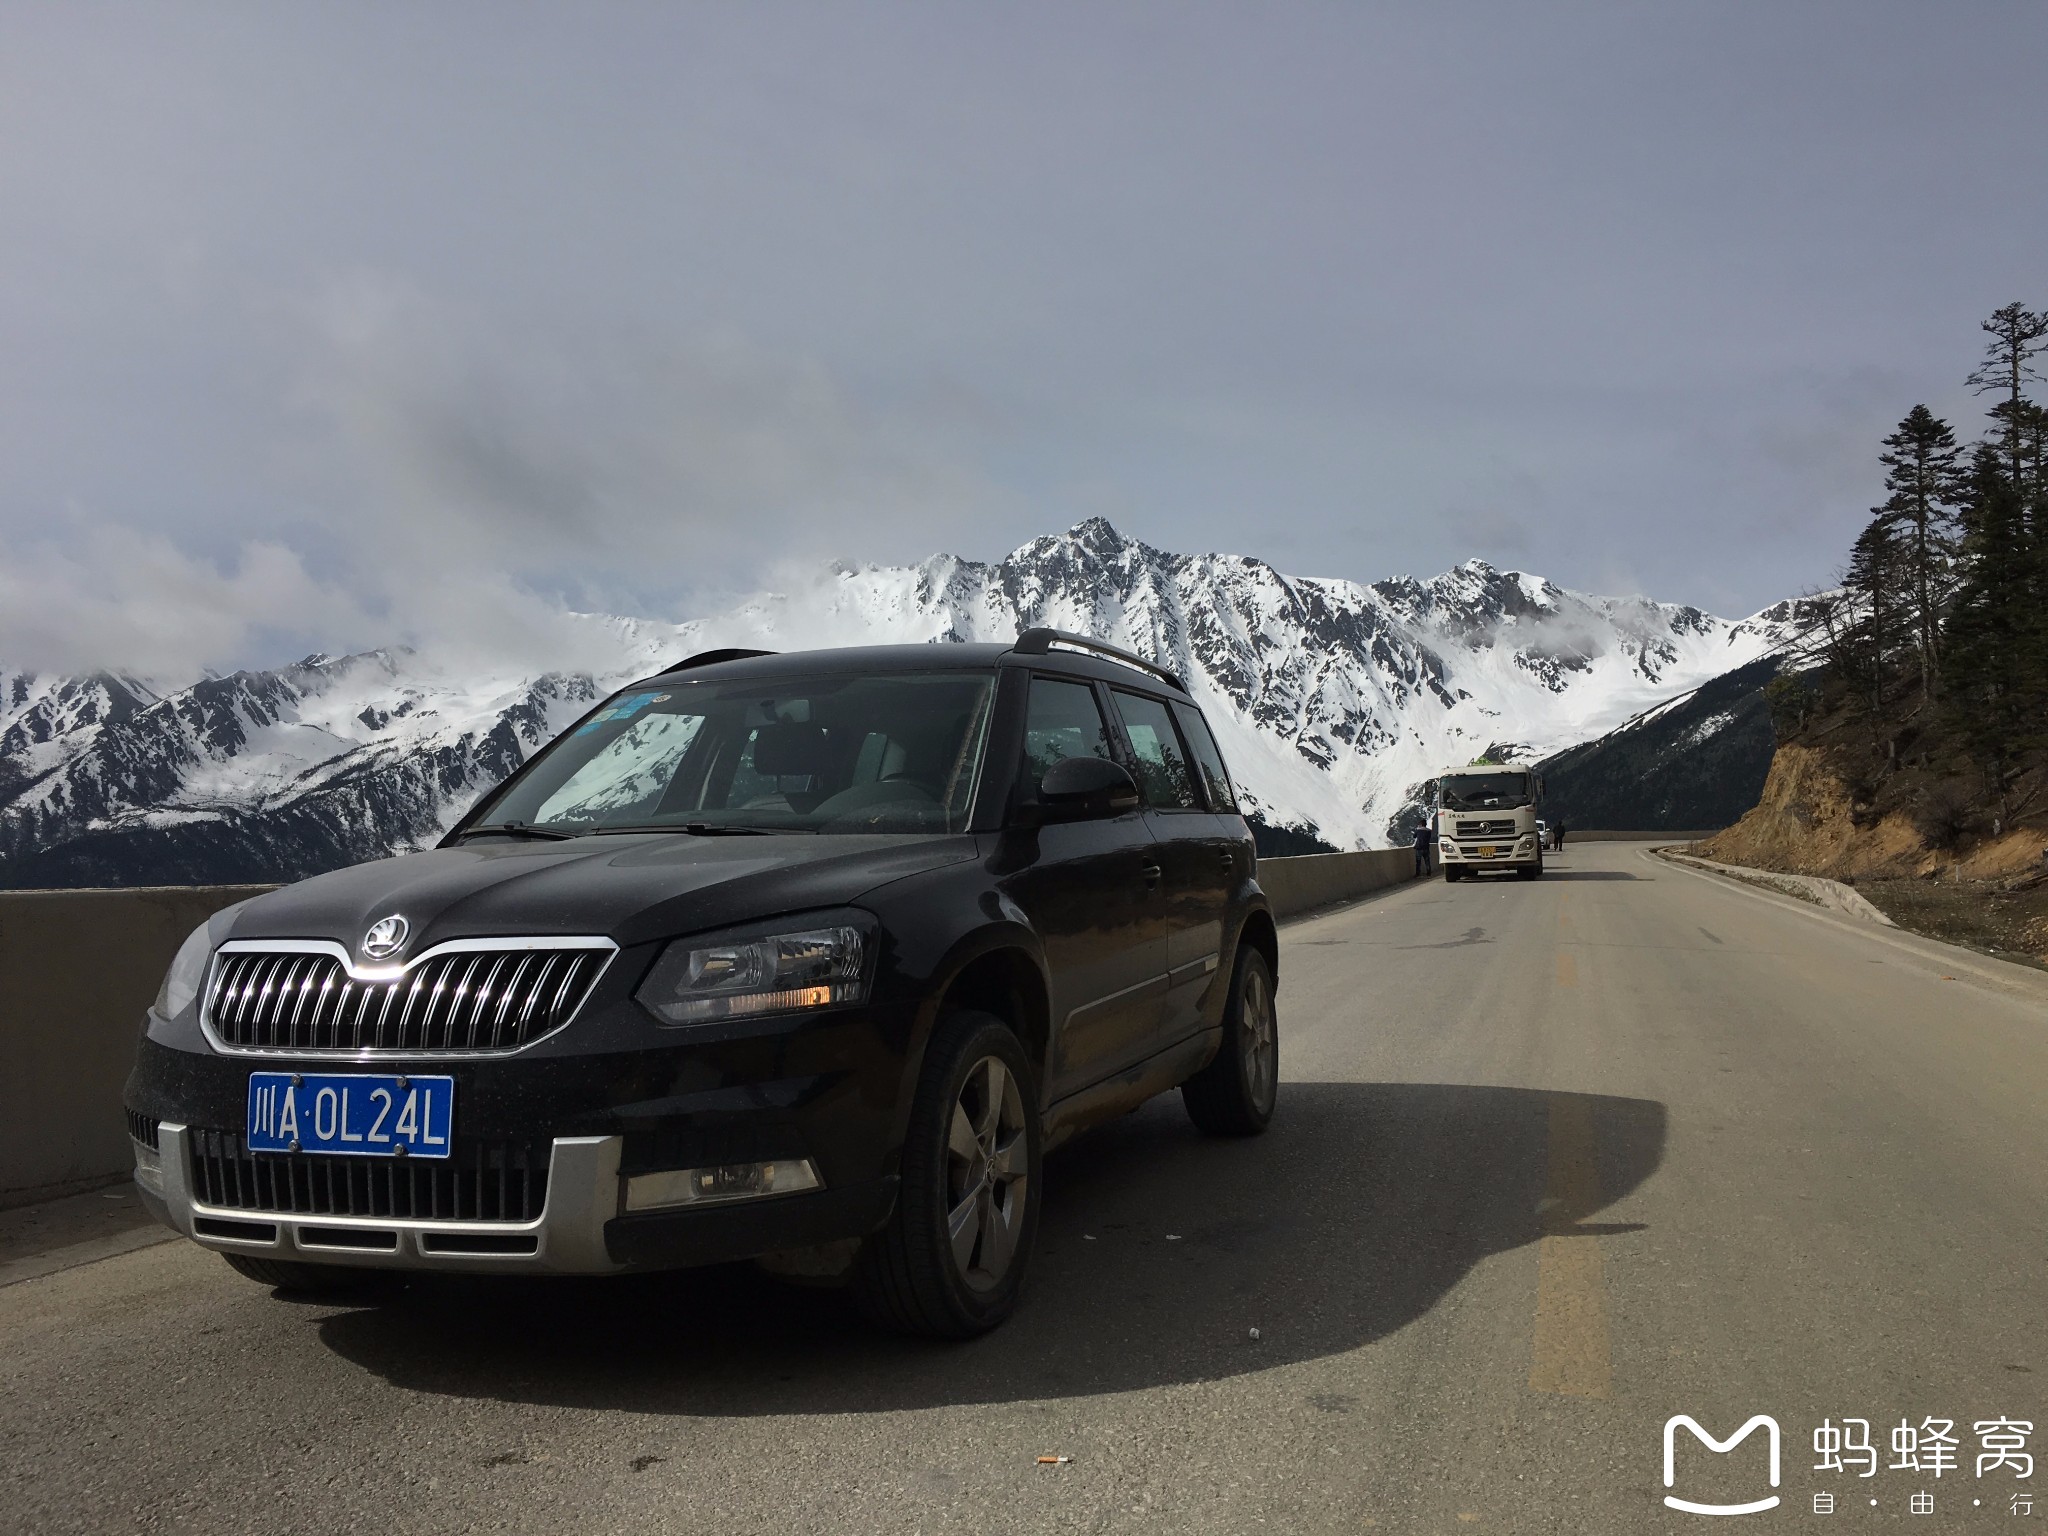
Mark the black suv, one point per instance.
(802, 958)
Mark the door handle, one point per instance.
(1152, 873)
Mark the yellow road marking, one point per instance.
(1570, 1354)
(1567, 970)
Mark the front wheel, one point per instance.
(1452, 873)
(1234, 1095)
(950, 1264)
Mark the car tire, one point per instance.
(311, 1279)
(1531, 871)
(1234, 1095)
(951, 1262)
(1452, 874)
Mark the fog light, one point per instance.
(720, 1184)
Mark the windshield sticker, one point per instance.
(619, 709)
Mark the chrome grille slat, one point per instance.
(391, 991)
(459, 1000)
(302, 983)
(569, 974)
(269, 976)
(1497, 829)
(533, 997)
(412, 995)
(482, 999)
(505, 999)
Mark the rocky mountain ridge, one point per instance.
(1333, 701)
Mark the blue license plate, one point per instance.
(354, 1114)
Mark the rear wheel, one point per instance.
(950, 1264)
(312, 1279)
(1234, 1095)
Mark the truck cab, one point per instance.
(1485, 818)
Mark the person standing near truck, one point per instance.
(1559, 837)
(1425, 836)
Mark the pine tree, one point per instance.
(1920, 464)
(1999, 690)
(2018, 336)
(1877, 580)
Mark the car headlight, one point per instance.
(187, 973)
(699, 980)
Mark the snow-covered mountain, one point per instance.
(1333, 701)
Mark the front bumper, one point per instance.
(568, 1238)
(1505, 855)
(579, 1231)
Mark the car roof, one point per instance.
(936, 656)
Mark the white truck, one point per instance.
(1486, 819)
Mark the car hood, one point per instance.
(630, 889)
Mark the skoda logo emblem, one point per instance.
(386, 937)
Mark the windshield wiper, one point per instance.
(701, 829)
(518, 829)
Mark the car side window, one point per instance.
(1062, 720)
(1164, 780)
(1208, 760)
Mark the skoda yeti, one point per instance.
(806, 959)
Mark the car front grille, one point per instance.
(1486, 829)
(143, 1128)
(459, 1000)
(483, 1181)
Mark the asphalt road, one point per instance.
(1553, 1162)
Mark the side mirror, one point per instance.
(1086, 789)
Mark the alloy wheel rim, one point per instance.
(1258, 1038)
(988, 1170)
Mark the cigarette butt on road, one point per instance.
(1054, 1461)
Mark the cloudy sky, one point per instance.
(329, 325)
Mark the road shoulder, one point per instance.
(1948, 960)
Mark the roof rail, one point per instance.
(713, 658)
(1037, 642)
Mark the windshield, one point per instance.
(844, 754)
(1484, 791)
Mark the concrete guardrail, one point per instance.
(77, 969)
(1574, 835)
(1308, 881)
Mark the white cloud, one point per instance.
(121, 597)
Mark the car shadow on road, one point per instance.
(1160, 1250)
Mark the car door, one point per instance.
(1190, 851)
(1092, 892)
